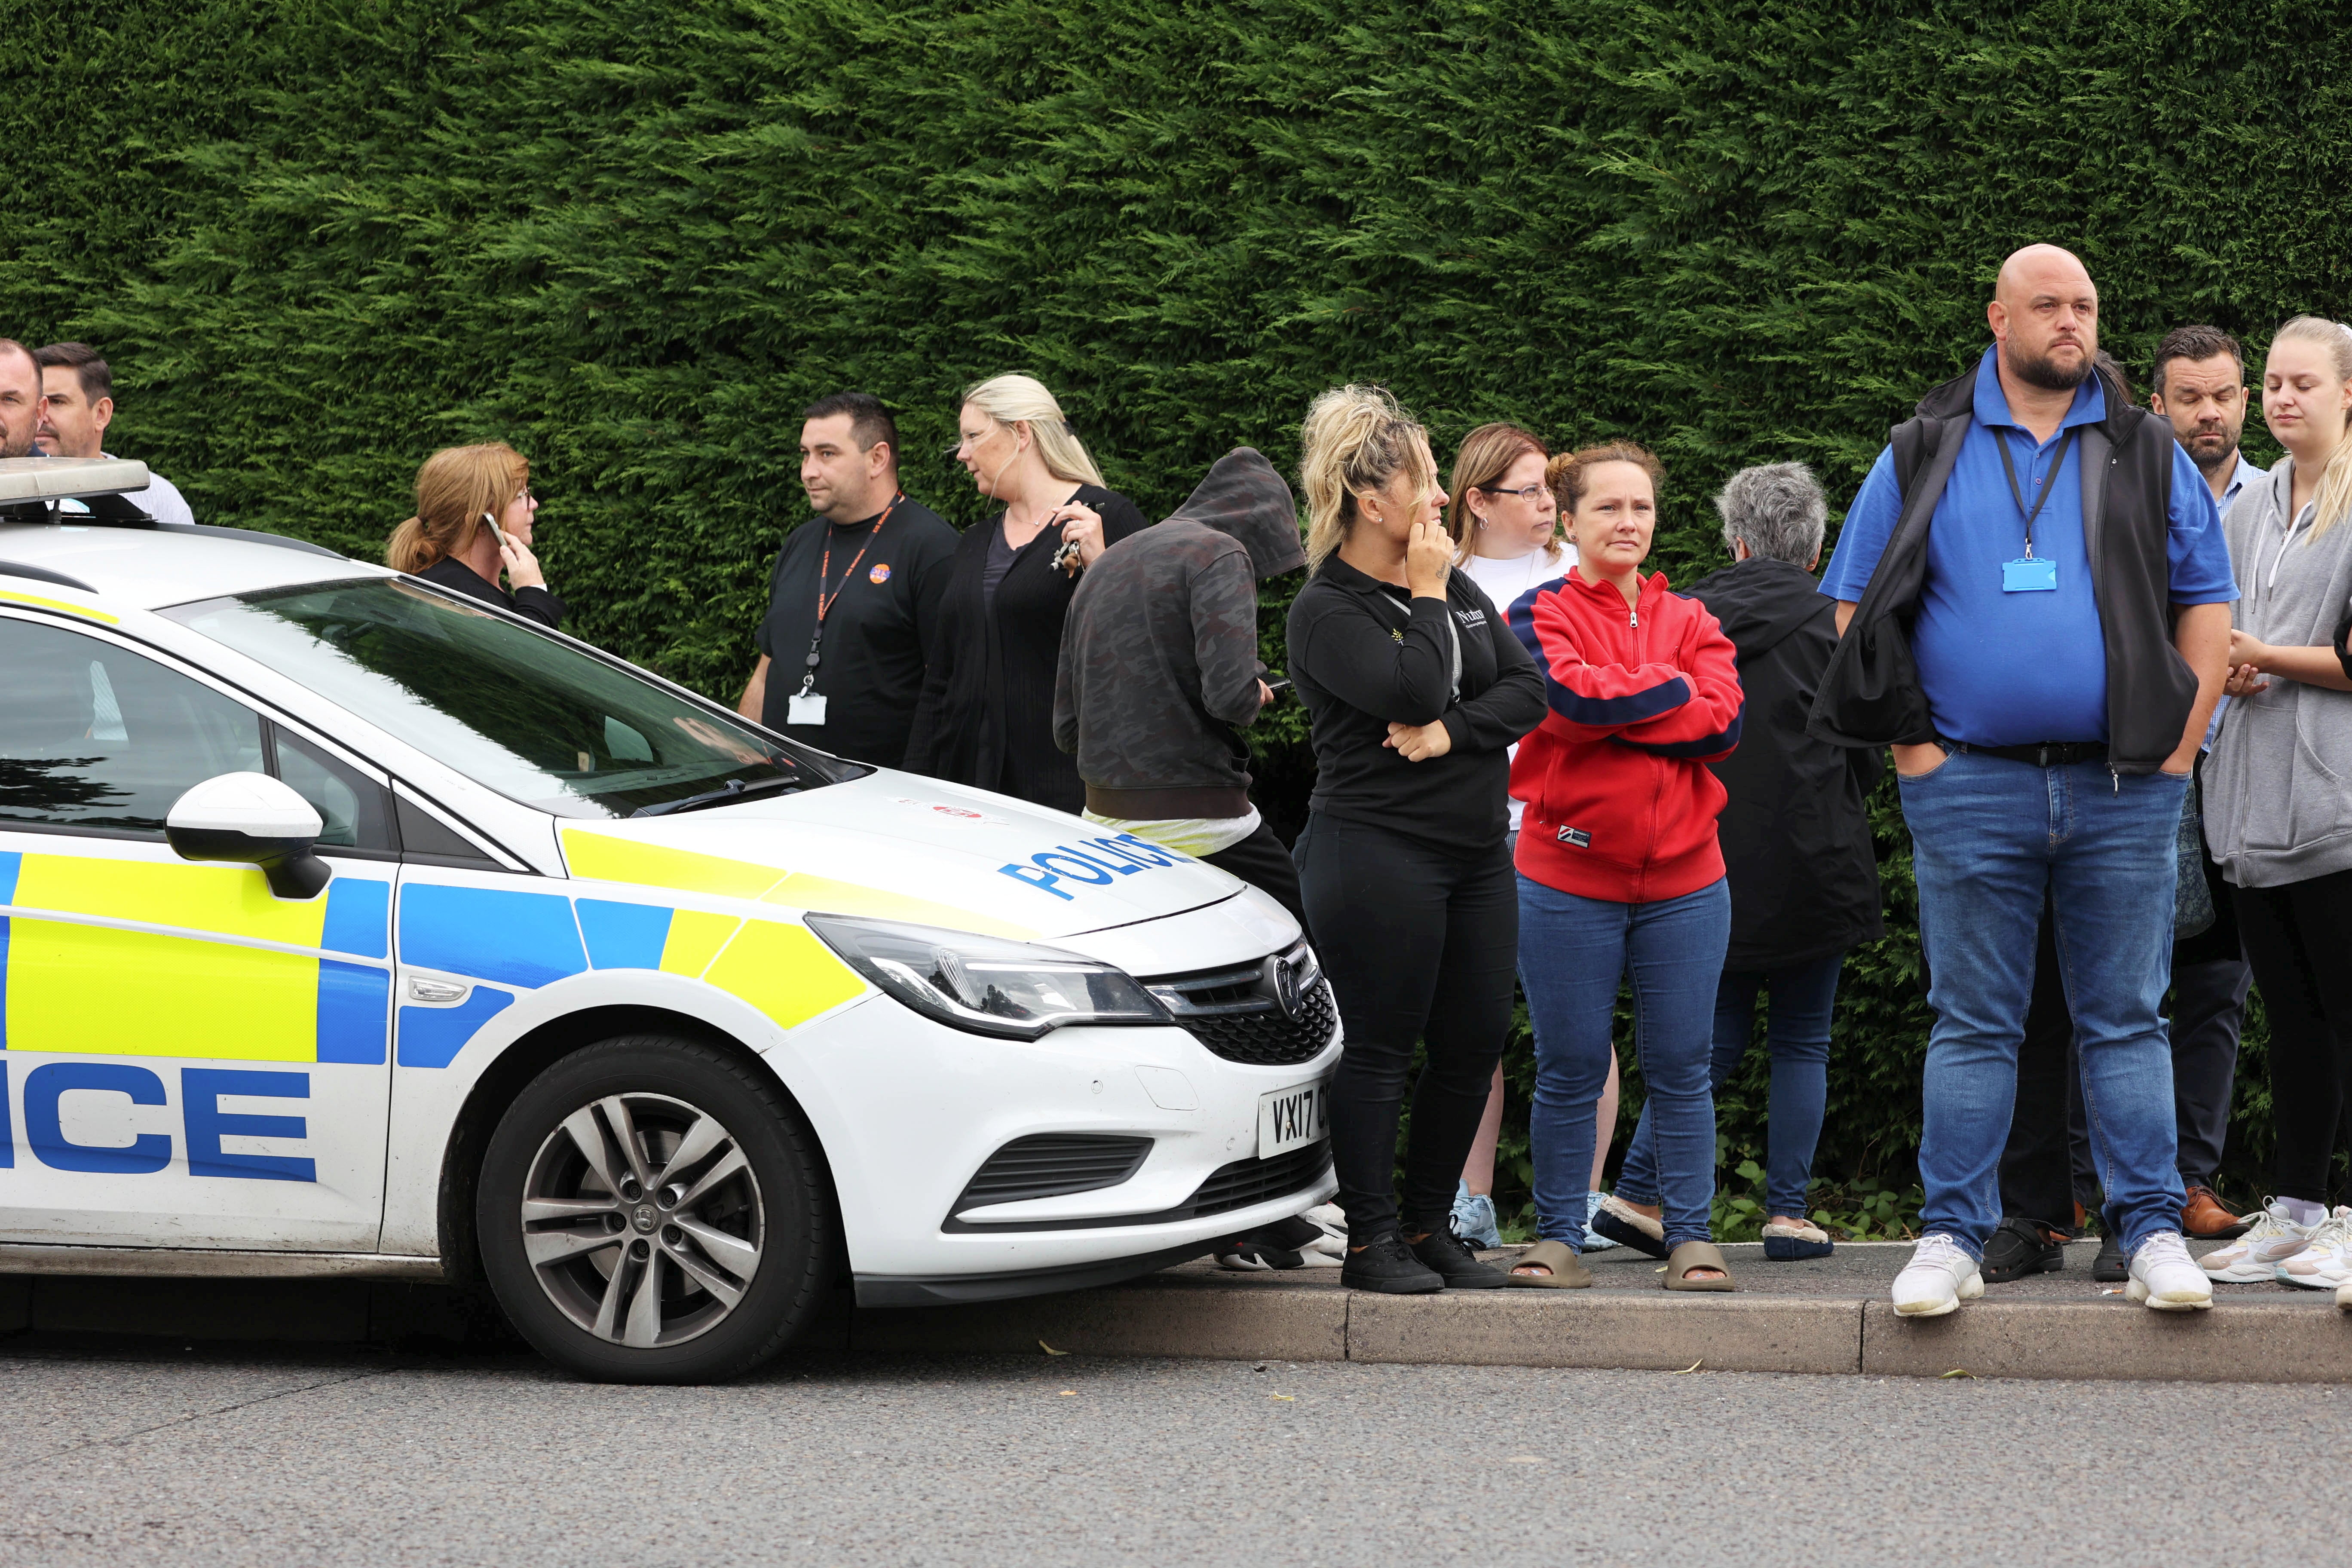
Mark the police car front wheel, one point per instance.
(653, 1210)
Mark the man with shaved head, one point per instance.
(2033, 598)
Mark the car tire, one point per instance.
(695, 1260)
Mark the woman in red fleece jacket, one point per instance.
(1618, 870)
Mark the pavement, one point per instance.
(1826, 1316)
(125, 1456)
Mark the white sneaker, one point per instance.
(1940, 1277)
(2255, 1256)
(2164, 1276)
(2326, 1261)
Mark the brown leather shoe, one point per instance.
(2203, 1217)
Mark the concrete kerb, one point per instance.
(1200, 1313)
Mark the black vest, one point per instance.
(1870, 694)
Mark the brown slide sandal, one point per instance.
(1693, 1255)
(1568, 1271)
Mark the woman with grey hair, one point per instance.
(1796, 842)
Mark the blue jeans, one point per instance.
(1989, 837)
(1574, 952)
(1797, 1032)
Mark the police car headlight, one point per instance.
(987, 984)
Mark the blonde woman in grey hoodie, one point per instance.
(2278, 804)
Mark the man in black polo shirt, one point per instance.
(854, 595)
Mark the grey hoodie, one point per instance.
(2278, 787)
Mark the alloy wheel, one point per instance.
(642, 1220)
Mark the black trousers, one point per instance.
(2299, 938)
(1263, 862)
(1422, 945)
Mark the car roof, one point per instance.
(147, 568)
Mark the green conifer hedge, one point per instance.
(319, 237)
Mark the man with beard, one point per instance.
(20, 399)
(2033, 601)
(76, 407)
(2200, 386)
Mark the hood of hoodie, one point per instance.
(1244, 496)
(1760, 601)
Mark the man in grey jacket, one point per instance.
(1159, 671)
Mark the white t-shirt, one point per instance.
(1503, 582)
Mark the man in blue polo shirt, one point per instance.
(2033, 596)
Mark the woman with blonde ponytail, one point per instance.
(1415, 690)
(473, 521)
(986, 717)
(2278, 817)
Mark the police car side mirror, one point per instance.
(255, 820)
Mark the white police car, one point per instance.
(347, 928)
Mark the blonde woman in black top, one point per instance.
(1415, 688)
(986, 717)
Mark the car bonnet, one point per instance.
(894, 845)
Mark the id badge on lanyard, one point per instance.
(2029, 574)
(806, 706)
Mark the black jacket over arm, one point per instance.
(1795, 833)
(986, 718)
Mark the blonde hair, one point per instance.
(453, 489)
(1010, 399)
(2333, 498)
(1356, 438)
(1486, 455)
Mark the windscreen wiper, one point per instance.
(734, 789)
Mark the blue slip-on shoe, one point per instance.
(1793, 1243)
(1474, 1218)
(1593, 1241)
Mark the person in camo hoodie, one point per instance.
(1159, 672)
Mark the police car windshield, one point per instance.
(532, 718)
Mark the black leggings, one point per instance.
(1262, 862)
(2299, 938)
(1420, 945)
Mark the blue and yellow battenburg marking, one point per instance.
(87, 989)
(202, 986)
(524, 940)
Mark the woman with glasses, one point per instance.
(473, 521)
(986, 718)
(1505, 530)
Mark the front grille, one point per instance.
(1050, 1165)
(1229, 1187)
(1265, 1038)
(1247, 1182)
(1237, 1013)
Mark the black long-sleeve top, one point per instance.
(532, 604)
(1365, 655)
(986, 717)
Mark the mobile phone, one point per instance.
(1278, 687)
(496, 531)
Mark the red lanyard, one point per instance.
(825, 565)
(824, 571)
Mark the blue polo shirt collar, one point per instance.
(2089, 407)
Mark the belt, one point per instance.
(2042, 753)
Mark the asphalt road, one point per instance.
(124, 1456)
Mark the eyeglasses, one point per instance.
(1529, 493)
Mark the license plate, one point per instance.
(1293, 1118)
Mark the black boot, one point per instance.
(1446, 1253)
(1388, 1266)
(2018, 1248)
